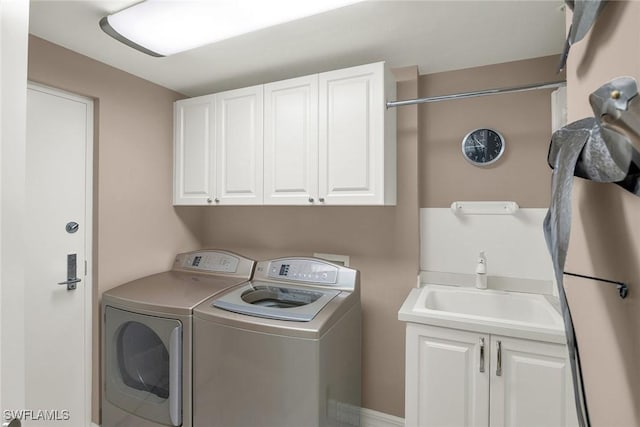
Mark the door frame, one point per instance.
(88, 219)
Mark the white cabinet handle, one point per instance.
(481, 354)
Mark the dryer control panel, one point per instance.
(303, 270)
(210, 261)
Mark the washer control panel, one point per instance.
(210, 261)
(303, 270)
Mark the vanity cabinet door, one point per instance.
(239, 146)
(530, 384)
(194, 152)
(447, 380)
(291, 142)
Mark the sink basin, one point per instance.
(509, 306)
(484, 310)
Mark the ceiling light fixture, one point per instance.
(165, 27)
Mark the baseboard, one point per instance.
(371, 418)
(368, 418)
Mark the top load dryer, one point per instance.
(147, 338)
(282, 350)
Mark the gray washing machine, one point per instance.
(147, 338)
(282, 350)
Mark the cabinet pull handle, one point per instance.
(499, 363)
(481, 354)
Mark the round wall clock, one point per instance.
(482, 147)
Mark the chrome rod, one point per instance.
(464, 95)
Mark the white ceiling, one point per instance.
(435, 35)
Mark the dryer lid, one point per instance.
(276, 301)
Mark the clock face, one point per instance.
(482, 146)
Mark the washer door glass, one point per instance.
(143, 359)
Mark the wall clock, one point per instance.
(482, 147)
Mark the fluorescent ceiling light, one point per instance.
(165, 27)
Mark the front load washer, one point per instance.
(147, 338)
(281, 350)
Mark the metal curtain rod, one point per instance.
(548, 85)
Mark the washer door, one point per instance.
(143, 365)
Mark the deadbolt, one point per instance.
(72, 227)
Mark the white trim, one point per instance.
(368, 418)
(88, 221)
(371, 418)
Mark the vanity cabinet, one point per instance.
(461, 378)
(323, 139)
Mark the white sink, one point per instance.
(510, 313)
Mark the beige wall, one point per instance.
(524, 119)
(381, 241)
(133, 199)
(605, 237)
(137, 231)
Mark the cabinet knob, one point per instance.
(217, 200)
(321, 199)
(209, 200)
(310, 199)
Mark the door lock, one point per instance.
(72, 227)
(72, 268)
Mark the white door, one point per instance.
(351, 136)
(239, 146)
(530, 384)
(447, 382)
(58, 246)
(194, 151)
(291, 142)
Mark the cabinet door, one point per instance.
(193, 157)
(351, 135)
(534, 385)
(291, 141)
(239, 146)
(444, 382)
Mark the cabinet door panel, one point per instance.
(291, 141)
(534, 388)
(193, 151)
(239, 146)
(351, 136)
(444, 385)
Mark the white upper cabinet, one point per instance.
(239, 146)
(193, 178)
(323, 139)
(291, 141)
(357, 157)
